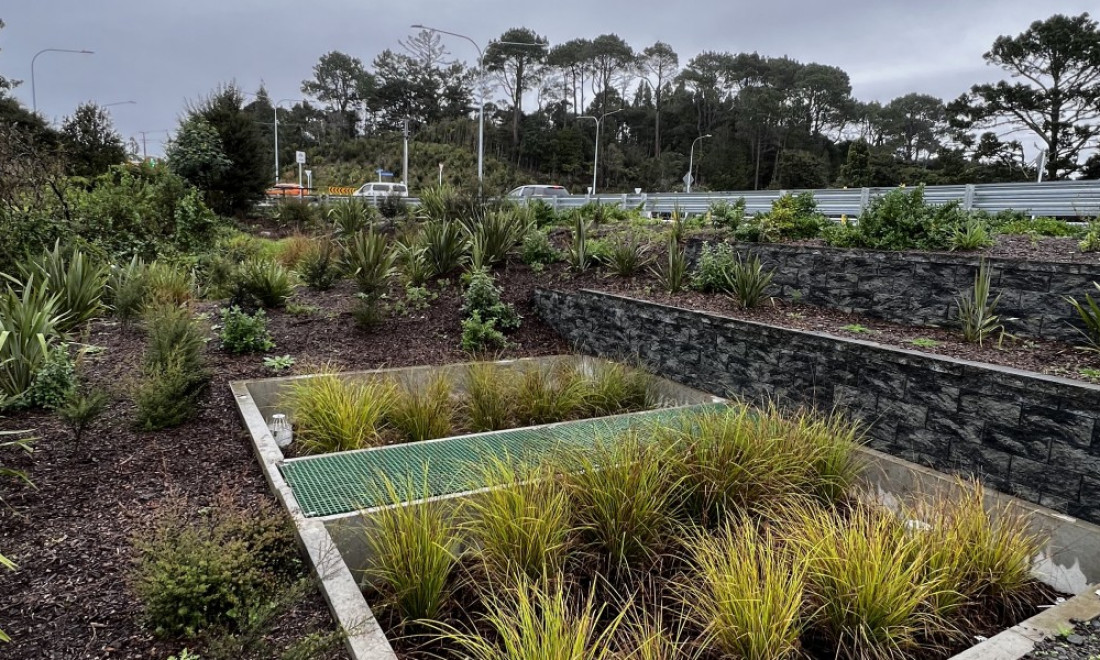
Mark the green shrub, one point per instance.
(333, 414)
(673, 272)
(369, 261)
(1091, 240)
(748, 281)
(482, 297)
(971, 235)
(351, 216)
(480, 335)
(76, 280)
(713, 268)
(266, 281)
(81, 409)
(724, 215)
(244, 333)
(626, 255)
(1089, 313)
(415, 552)
(55, 382)
(537, 249)
(793, 217)
(900, 220)
(127, 289)
(195, 575)
(29, 321)
(319, 266)
(579, 254)
(977, 309)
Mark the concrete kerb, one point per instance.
(1071, 562)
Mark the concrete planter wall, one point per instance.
(921, 289)
(1032, 436)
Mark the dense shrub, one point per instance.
(901, 220)
(713, 267)
(793, 217)
(266, 281)
(244, 333)
(482, 297)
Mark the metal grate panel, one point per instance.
(348, 481)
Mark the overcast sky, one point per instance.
(160, 53)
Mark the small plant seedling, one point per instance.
(857, 328)
(925, 342)
(279, 362)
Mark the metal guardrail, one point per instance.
(1059, 199)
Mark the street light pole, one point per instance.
(596, 156)
(691, 162)
(34, 90)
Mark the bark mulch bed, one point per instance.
(71, 534)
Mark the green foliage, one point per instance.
(481, 334)
(626, 255)
(369, 260)
(81, 409)
(537, 249)
(195, 575)
(55, 381)
(748, 281)
(76, 279)
(424, 412)
(319, 266)
(521, 527)
(971, 235)
(713, 268)
(1089, 312)
(482, 298)
(244, 333)
(414, 552)
(334, 414)
(1091, 240)
(793, 217)
(579, 255)
(266, 281)
(976, 310)
(745, 594)
(351, 216)
(29, 322)
(900, 220)
(673, 272)
(279, 363)
(724, 215)
(127, 289)
(496, 233)
(445, 244)
(173, 374)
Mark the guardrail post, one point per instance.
(864, 199)
(968, 197)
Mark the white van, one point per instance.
(382, 189)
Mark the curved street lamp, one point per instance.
(34, 91)
(691, 162)
(596, 157)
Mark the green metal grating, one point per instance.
(349, 481)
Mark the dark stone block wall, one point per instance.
(921, 288)
(1033, 436)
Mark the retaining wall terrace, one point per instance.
(1033, 436)
(921, 288)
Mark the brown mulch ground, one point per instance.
(71, 534)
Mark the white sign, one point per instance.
(300, 157)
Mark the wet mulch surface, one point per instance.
(1083, 643)
(71, 534)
